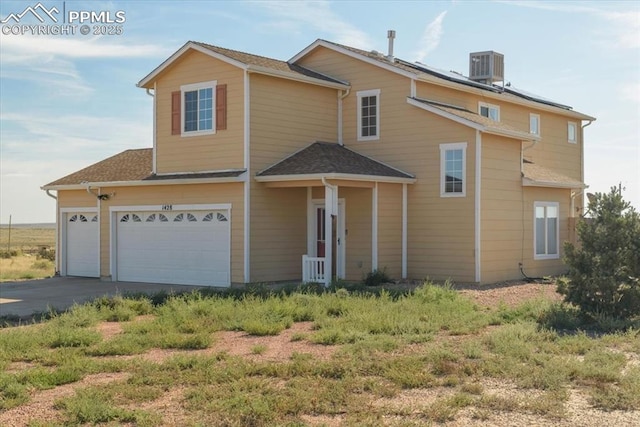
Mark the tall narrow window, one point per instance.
(489, 110)
(453, 169)
(546, 230)
(368, 115)
(572, 132)
(534, 124)
(198, 114)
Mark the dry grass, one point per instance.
(25, 267)
(27, 238)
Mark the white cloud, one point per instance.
(431, 37)
(631, 92)
(301, 15)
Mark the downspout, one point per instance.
(57, 272)
(341, 96)
(582, 161)
(153, 95)
(533, 144)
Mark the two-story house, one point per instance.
(332, 164)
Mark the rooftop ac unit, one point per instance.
(486, 67)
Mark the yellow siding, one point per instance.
(178, 195)
(440, 230)
(222, 150)
(553, 151)
(507, 216)
(286, 116)
(358, 230)
(390, 229)
(502, 209)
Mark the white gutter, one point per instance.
(153, 160)
(342, 176)
(528, 182)
(145, 183)
(341, 96)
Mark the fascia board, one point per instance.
(189, 45)
(179, 181)
(343, 176)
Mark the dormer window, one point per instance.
(489, 110)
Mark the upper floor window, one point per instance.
(572, 132)
(546, 230)
(453, 166)
(489, 110)
(534, 124)
(369, 115)
(199, 109)
(198, 114)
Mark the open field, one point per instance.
(27, 237)
(432, 356)
(26, 240)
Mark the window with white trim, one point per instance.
(546, 239)
(453, 166)
(572, 132)
(368, 115)
(489, 110)
(534, 124)
(198, 113)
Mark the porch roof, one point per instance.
(133, 168)
(331, 160)
(534, 175)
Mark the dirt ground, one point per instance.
(280, 348)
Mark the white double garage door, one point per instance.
(171, 246)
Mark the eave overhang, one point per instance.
(493, 130)
(186, 180)
(146, 82)
(335, 176)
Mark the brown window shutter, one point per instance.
(176, 108)
(221, 107)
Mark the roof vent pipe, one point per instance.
(391, 35)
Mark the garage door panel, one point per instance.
(192, 250)
(82, 255)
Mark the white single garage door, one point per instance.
(177, 247)
(82, 244)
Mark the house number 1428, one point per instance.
(167, 207)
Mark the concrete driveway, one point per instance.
(24, 299)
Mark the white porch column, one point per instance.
(374, 228)
(404, 231)
(330, 209)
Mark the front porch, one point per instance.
(356, 212)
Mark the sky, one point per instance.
(70, 100)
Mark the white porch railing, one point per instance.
(312, 269)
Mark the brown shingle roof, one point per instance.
(331, 158)
(539, 176)
(130, 165)
(472, 117)
(263, 61)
